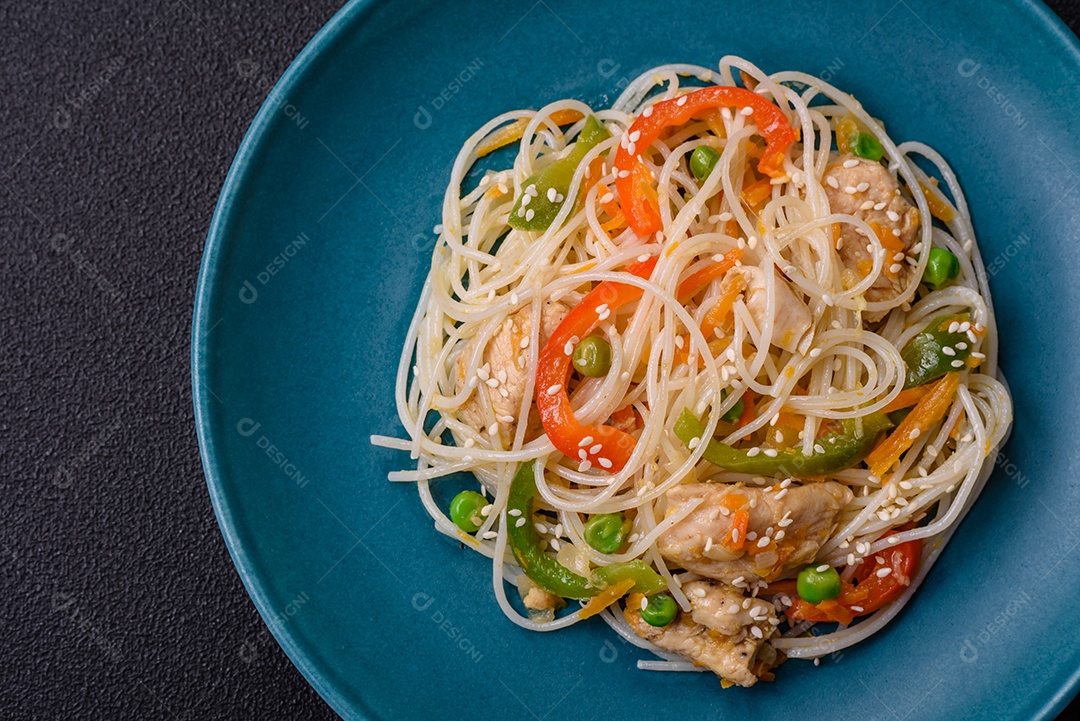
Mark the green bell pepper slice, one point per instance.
(546, 572)
(925, 357)
(842, 450)
(539, 211)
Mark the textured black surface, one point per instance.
(119, 121)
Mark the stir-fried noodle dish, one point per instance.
(722, 359)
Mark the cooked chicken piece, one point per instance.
(871, 182)
(506, 374)
(718, 632)
(540, 600)
(796, 519)
(791, 319)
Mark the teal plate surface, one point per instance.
(316, 256)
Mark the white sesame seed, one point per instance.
(587, 440)
(552, 390)
(763, 542)
(529, 214)
(857, 609)
(862, 187)
(608, 197)
(832, 182)
(681, 101)
(586, 465)
(519, 523)
(647, 112)
(514, 512)
(850, 163)
(823, 568)
(551, 194)
(770, 452)
(882, 572)
(624, 174)
(915, 432)
(957, 364)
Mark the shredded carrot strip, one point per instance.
(740, 520)
(907, 398)
(939, 207)
(890, 242)
(617, 221)
(928, 411)
(605, 598)
(566, 116)
(757, 193)
(503, 136)
(717, 316)
(509, 133)
(791, 420)
(836, 611)
(610, 207)
(697, 281)
(716, 123)
(748, 408)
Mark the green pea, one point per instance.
(660, 610)
(736, 411)
(867, 146)
(592, 357)
(465, 510)
(606, 532)
(815, 586)
(702, 161)
(941, 269)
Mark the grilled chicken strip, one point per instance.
(724, 632)
(796, 521)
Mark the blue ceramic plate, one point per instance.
(316, 257)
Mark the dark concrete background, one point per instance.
(119, 122)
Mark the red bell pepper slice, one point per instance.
(871, 592)
(636, 194)
(553, 372)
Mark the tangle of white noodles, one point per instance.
(476, 282)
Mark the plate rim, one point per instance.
(299, 653)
